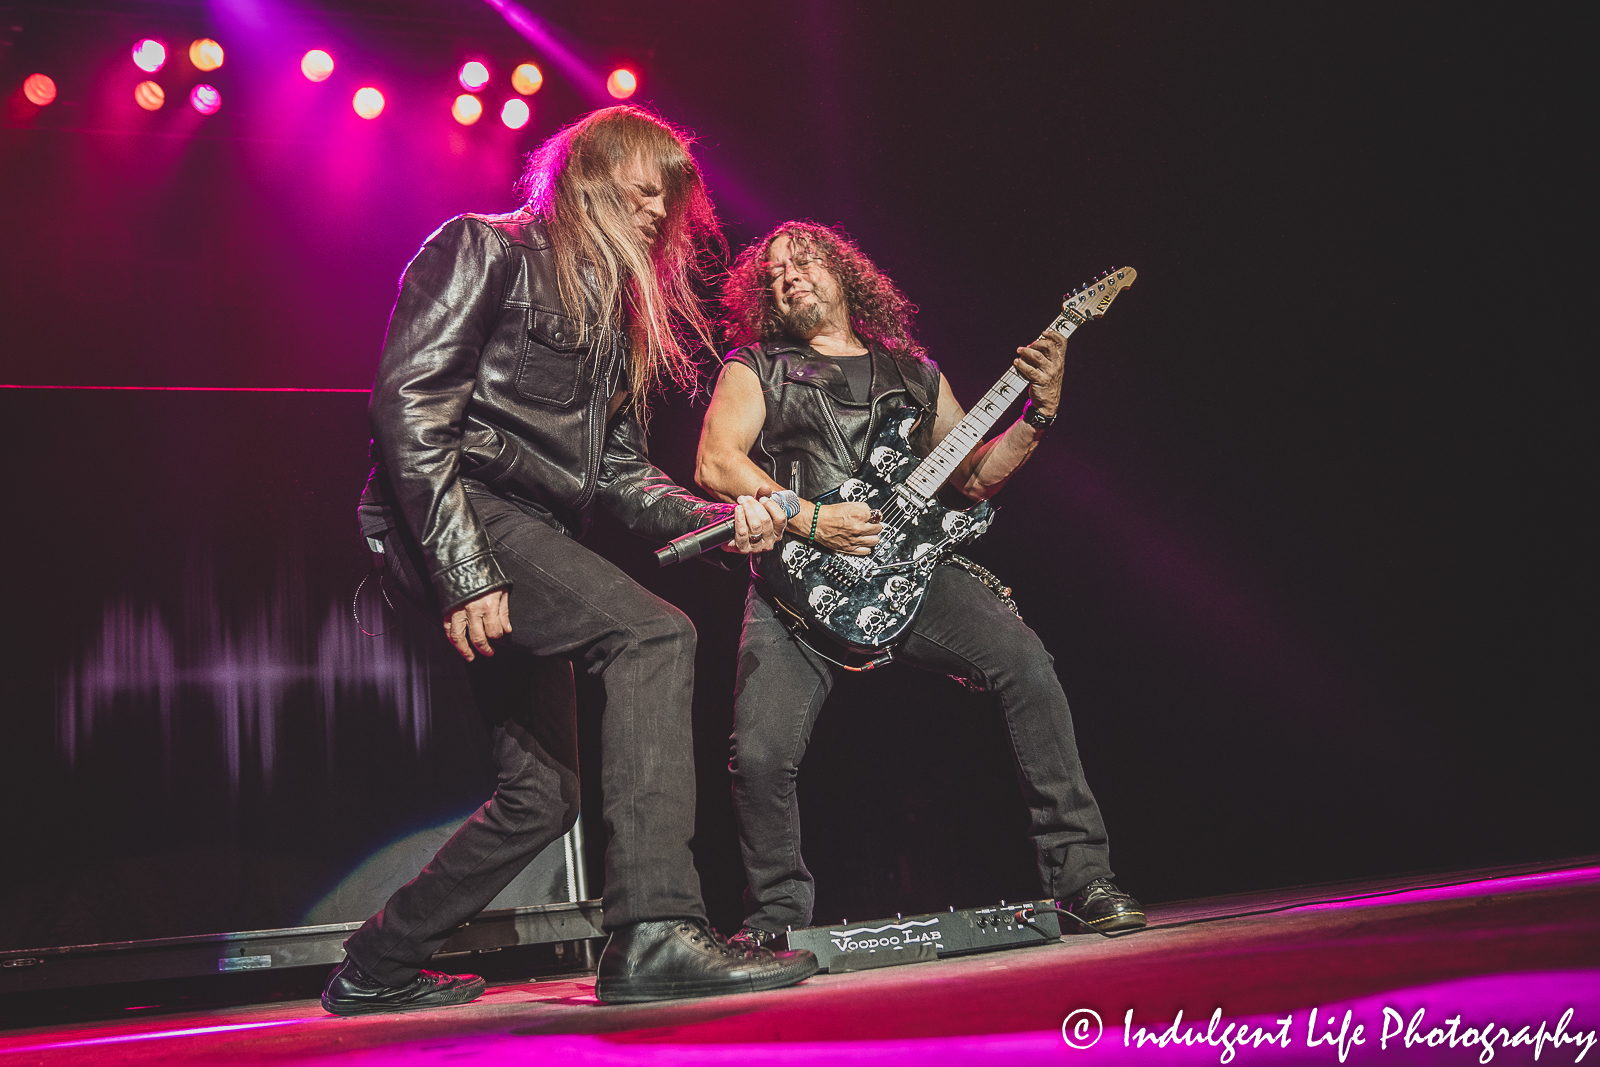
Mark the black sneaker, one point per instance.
(351, 991)
(686, 958)
(1103, 908)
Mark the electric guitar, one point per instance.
(867, 603)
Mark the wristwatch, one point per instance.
(1034, 417)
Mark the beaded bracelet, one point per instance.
(816, 512)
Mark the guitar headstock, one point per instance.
(1094, 297)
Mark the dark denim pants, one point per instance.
(565, 602)
(962, 629)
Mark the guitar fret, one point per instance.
(932, 472)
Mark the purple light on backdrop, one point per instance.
(205, 99)
(149, 55)
(473, 76)
(248, 680)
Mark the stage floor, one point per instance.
(1427, 969)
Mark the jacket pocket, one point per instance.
(486, 455)
(552, 359)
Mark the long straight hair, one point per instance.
(646, 290)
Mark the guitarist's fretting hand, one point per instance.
(1043, 363)
(848, 528)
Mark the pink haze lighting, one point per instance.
(39, 89)
(474, 76)
(149, 56)
(368, 102)
(316, 65)
(622, 83)
(205, 99)
(515, 114)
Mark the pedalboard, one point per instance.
(919, 938)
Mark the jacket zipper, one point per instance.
(600, 395)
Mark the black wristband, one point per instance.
(1034, 417)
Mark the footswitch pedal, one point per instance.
(886, 942)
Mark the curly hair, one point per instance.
(570, 184)
(879, 312)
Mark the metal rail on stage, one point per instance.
(252, 950)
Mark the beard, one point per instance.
(803, 321)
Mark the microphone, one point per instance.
(706, 538)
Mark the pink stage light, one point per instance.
(474, 76)
(316, 65)
(622, 83)
(205, 54)
(368, 102)
(467, 109)
(515, 114)
(149, 96)
(39, 89)
(526, 79)
(205, 99)
(149, 56)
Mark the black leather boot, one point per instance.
(351, 991)
(1103, 907)
(686, 958)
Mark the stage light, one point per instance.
(205, 54)
(316, 65)
(39, 89)
(474, 76)
(526, 79)
(149, 56)
(205, 99)
(368, 102)
(515, 114)
(467, 109)
(149, 96)
(622, 83)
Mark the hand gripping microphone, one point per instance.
(706, 538)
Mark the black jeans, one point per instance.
(565, 602)
(962, 629)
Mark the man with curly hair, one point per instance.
(510, 399)
(826, 357)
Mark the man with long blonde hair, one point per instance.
(511, 398)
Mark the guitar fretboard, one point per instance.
(932, 472)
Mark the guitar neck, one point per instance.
(968, 434)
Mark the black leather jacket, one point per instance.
(802, 444)
(484, 377)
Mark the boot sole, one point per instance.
(466, 994)
(639, 990)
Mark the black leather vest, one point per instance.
(802, 444)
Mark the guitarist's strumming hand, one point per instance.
(1044, 363)
(851, 528)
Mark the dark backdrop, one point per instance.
(1306, 541)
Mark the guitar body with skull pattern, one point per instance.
(867, 603)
